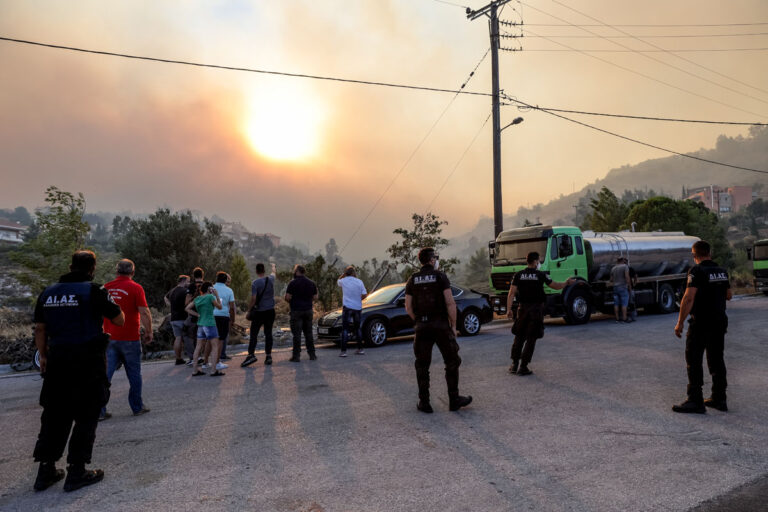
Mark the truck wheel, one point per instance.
(666, 302)
(577, 307)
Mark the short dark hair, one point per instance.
(702, 249)
(198, 273)
(221, 276)
(125, 267)
(532, 256)
(205, 287)
(83, 261)
(426, 254)
(350, 271)
(299, 269)
(259, 268)
(182, 277)
(620, 259)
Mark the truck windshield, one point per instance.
(761, 252)
(511, 253)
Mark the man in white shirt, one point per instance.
(353, 291)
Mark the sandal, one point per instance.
(198, 373)
(217, 373)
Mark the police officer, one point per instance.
(708, 290)
(72, 345)
(429, 302)
(529, 326)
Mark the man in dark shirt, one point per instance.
(529, 326)
(300, 294)
(176, 299)
(705, 297)
(72, 345)
(429, 302)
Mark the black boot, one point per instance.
(458, 402)
(424, 406)
(524, 370)
(78, 476)
(690, 406)
(47, 475)
(720, 405)
(515, 366)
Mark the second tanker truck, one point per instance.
(660, 259)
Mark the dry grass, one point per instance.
(16, 338)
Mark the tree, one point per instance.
(241, 279)
(426, 232)
(325, 277)
(331, 250)
(691, 217)
(608, 211)
(18, 214)
(167, 244)
(59, 230)
(476, 271)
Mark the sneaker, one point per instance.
(77, 478)
(190, 363)
(424, 406)
(720, 405)
(515, 365)
(205, 366)
(459, 402)
(343, 354)
(268, 360)
(360, 352)
(47, 475)
(217, 373)
(105, 416)
(523, 371)
(295, 359)
(200, 360)
(249, 360)
(180, 362)
(690, 406)
(312, 357)
(221, 366)
(144, 410)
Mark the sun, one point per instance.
(285, 123)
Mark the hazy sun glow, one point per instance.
(284, 123)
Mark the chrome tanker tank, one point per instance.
(653, 253)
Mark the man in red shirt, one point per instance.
(125, 341)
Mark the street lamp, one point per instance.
(517, 120)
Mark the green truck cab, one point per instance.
(760, 265)
(659, 259)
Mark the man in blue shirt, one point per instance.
(353, 292)
(226, 315)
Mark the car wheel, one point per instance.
(469, 323)
(666, 299)
(375, 332)
(577, 307)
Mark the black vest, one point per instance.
(428, 299)
(712, 287)
(68, 313)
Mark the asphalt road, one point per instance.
(591, 429)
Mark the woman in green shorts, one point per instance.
(202, 307)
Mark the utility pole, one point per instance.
(492, 11)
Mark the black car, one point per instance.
(384, 315)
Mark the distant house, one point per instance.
(239, 233)
(11, 232)
(722, 200)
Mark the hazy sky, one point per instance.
(307, 159)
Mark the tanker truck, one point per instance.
(660, 259)
(760, 265)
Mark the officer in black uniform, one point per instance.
(72, 345)
(529, 326)
(708, 290)
(429, 302)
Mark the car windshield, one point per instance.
(508, 253)
(384, 295)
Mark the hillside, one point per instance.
(667, 176)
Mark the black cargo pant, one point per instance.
(301, 322)
(436, 332)
(528, 327)
(75, 388)
(266, 319)
(222, 326)
(706, 337)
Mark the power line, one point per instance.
(654, 36)
(458, 162)
(630, 139)
(672, 53)
(665, 64)
(413, 153)
(657, 80)
(247, 70)
(648, 24)
(663, 50)
(450, 3)
(527, 106)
